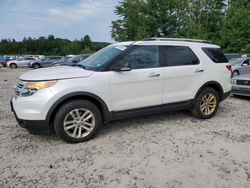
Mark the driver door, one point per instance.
(245, 67)
(142, 85)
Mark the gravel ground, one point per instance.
(167, 150)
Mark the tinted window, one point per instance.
(215, 54)
(179, 56)
(246, 62)
(142, 57)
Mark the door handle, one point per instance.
(154, 75)
(199, 70)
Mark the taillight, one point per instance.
(229, 67)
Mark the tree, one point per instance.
(202, 19)
(86, 42)
(235, 32)
(167, 18)
(49, 46)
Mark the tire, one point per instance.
(13, 66)
(36, 66)
(206, 104)
(68, 122)
(235, 73)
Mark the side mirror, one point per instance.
(123, 67)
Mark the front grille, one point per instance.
(243, 82)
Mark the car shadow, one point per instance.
(114, 126)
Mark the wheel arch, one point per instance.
(13, 63)
(212, 84)
(35, 64)
(78, 95)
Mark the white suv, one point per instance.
(120, 81)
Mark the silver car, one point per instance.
(240, 66)
(241, 85)
(21, 62)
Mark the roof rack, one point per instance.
(175, 39)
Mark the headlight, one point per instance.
(39, 85)
(28, 88)
(233, 81)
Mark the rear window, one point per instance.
(179, 56)
(215, 54)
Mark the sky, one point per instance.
(71, 19)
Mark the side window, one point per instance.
(215, 54)
(179, 56)
(246, 62)
(142, 57)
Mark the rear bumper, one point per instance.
(4, 64)
(226, 95)
(33, 126)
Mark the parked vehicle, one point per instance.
(3, 62)
(240, 66)
(241, 85)
(123, 80)
(46, 62)
(232, 55)
(72, 61)
(21, 62)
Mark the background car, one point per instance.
(232, 55)
(3, 62)
(72, 61)
(241, 85)
(21, 62)
(240, 66)
(46, 62)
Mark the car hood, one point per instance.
(55, 73)
(242, 77)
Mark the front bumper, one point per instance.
(241, 90)
(33, 126)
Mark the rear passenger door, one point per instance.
(181, 71)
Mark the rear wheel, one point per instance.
(206, 104)
(36, 66)
(77, 121)
(13, 66)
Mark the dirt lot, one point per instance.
(167, 150)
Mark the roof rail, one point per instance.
(175, 39)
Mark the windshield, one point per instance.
(101, 57)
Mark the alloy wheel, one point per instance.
(208, 104)
(79, 123)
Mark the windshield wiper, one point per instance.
(82, 66)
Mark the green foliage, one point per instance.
(223, 22)
(235, 32)
(49, 46)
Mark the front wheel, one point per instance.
(13, 66)
(206, 104)
(77, 121)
